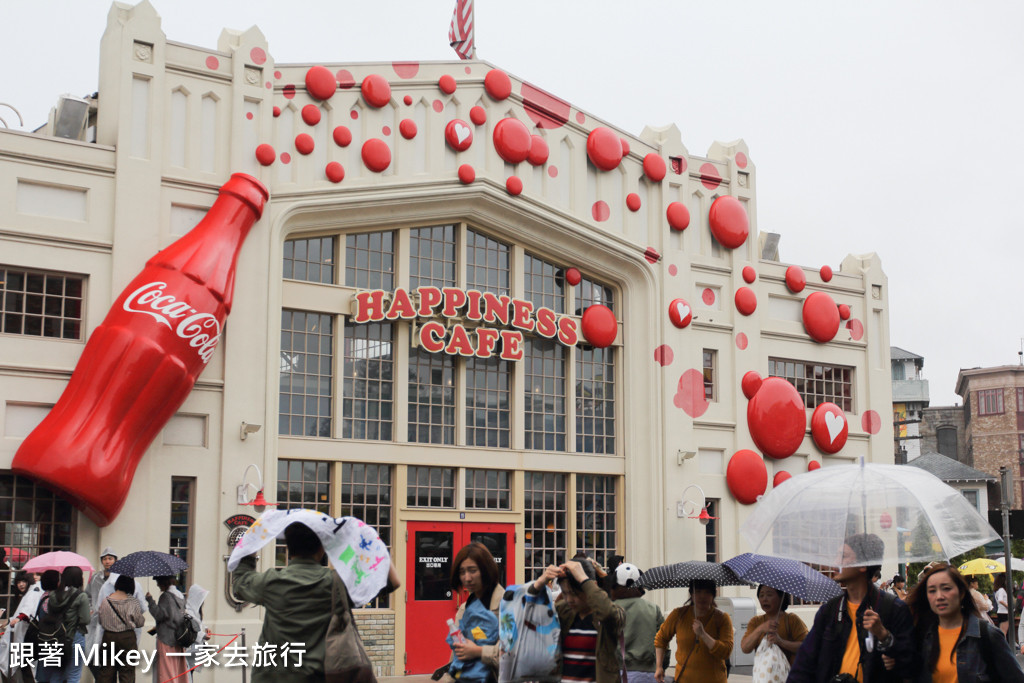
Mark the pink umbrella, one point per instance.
(59, 559)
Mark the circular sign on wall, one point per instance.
(679, 313)
(776, 418)
(746, 476)
(458, 135)
(829, 427)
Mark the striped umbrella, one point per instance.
(681, 574)
(788, 576)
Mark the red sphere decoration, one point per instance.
(376, 90)
(407, 99)
(277, 111)
(625, 147)
(749, 274)
(780, 477)
(320, 83)
(538, 151)
(478, 115)
(795, 279)
(829, 427)
(335, 172)
(447, 84)
(408, 129)
(729, 222)
(497, 84)
(750, 383)
(512, 140)
(599, 326)
(265, 154)
(821, 317)
(776, 418)
(342, 136)
(303, 143)
(573, 276)
(633, 201)
(679, 313)
(604, 148)
(813, 465)
(311, 114)
(376, 155)
(514, 186)
(466, 174)
(678, 216)
(746, 476)
(458, 135)
(746, 300)
(844, 312)
(826, 273)
(654, 167)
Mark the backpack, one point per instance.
(48, 627)
(187, 631)
(530, 637)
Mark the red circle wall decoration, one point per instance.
(601, 211)
(335, 172)
(407, 99)
(599, 326)
(729, 222)
(829, 427)
(538, 151)
(795, 279)
(320, 83)
(342, 136)
(376, 155)
(514, 186)
(780, 477)
(741, 341)
(663, 355)
(625, 147)
(478, 115)
(821, 317)
(746, 476)
(825, 273)
(844, 312)
(345, 79)
(813, 465)
(512, 140)
(690, 397)
(265, 154)
(447, 84)
(654, 167)
(870, 422)
(679, 313)
(633, 201)
(741, 159)
(678, 216)
(212, 63)
(406, 69)
(288, 91)
(750, 383)
(776, 418)
(856, 329)
(277, 111)
(376, 90)
(885, 521)
(604, 148)
(709, 176)
(573, 276)
(303, 143)
(746, 300)
(497, 84)
(466, 174)
(408, 129)
(749, 274)
(311, 114)
(458, 135)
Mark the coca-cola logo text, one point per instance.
(200, 330)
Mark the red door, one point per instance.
(430, 598)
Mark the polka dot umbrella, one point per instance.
(788, 576)
(149, 563)
(680, 574)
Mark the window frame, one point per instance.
(990, 402)
(800, 379)
(45, 296)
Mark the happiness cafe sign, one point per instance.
(515, 316)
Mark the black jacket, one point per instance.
(982, 655)
(821, 654)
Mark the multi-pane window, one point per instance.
(370, 260)
(589, 293)
(595, 400)
(816, 382)
(990, 402)
(307, 360)
(40, 304)
(710, 356)
(488, 417)
(487, 263)
(301, 484)
(595, 516)
(432, 256)
(366, 494)
(431, 397)
(546, 521)
(431, 487)
(488, 490)
(310, 259)
(33, 521)
(545, 394)
(1020, 408)
(545, 284)
(367, 397)
(183, 493)
(711, 531)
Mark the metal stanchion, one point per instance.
(1006, 481)
(245, 672)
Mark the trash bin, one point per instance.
(741, 611)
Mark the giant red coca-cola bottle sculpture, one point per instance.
(140, 364)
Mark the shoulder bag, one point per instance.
(345, 658)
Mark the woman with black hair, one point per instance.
(703, 634)
(1002, 609)
(953, 643)
(475, 656)
(73, 603)
(168, 613)
(119, 615)
(776, 624)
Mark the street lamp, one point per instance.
(703, 516)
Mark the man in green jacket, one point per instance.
(297, 599)
(643, 619)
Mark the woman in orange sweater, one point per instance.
(703, 634)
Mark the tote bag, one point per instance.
(345, 658)
(770, 664)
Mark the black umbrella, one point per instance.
(680, 574)
(149, 563)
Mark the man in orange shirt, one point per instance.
(852, 631)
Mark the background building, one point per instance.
(909, 398)
(568, 448)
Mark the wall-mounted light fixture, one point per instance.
(258, 502)
(246, 429)
(682, 455)
(689, 508)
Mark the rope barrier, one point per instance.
(233, 636)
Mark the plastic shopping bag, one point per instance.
(770, 664)
(529, 635)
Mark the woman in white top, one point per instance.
(1002, 609)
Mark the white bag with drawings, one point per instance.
(770, 664)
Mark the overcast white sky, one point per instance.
(888, 126)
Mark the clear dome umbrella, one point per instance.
(918, 517)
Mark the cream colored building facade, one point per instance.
(571, 448)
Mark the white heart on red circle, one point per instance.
(682, 309)
(461, 132)
(834, 423)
